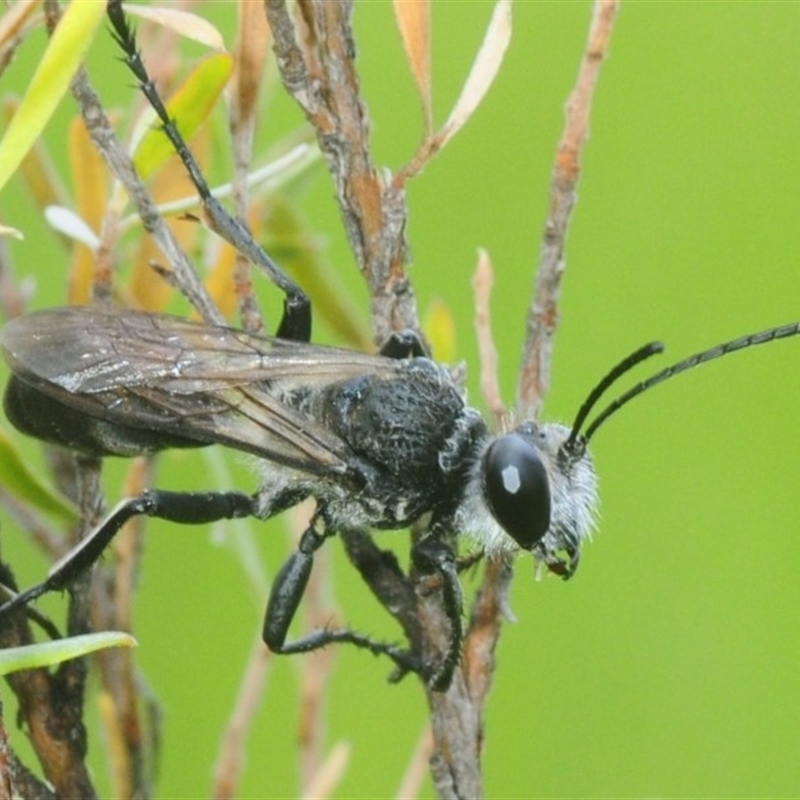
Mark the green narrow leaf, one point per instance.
(189, 107)
(64, 53)
(47, 654)
(19, 479)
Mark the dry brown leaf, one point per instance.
(414, 21)
(186, 24)
(14, 20)
(484, 70)
(252, 44)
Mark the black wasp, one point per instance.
(378, 440)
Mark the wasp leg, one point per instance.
(287, 591)
(296, 320)
(191, 508)
(432, 555)
(404, 344)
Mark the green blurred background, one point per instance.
(669, 665)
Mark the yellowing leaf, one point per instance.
(221, 282)
(440, 329)
(90, 179)
(188, 107)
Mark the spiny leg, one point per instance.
(296, 320)
(287, 591)
(8, 590)
(191, 508)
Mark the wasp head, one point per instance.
(532, 489)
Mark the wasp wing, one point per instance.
(208, 383)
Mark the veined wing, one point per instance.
(85, 349)
(204, 382)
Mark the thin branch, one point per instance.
(16, 780)
(381, 572)
(457, 724)
(316, 668)
(317, 69)
(51, 703)
(112, 600)
(231, 756)
(417, 767)
(122, 167)
(534, 378)
(482, 282)
(373, 210)
(49, 734)
(330, 773)
(250, 52)
(458, 714)
(490, 607)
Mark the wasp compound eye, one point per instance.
(517, 489)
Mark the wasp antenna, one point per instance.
(627, 364)
(762, 337)
(126, 39)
